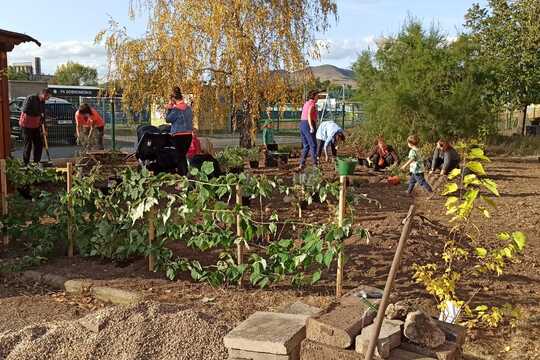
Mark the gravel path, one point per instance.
(144, 331)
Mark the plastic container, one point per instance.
(346, 166)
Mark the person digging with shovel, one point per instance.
(90, 125)
(32, 123)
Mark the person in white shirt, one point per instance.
(328, 134)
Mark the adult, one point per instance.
(308, 125)
(31, 120)
(445, 158)
(328, 134)
(90, 127)
(382, 155)
(180, 116)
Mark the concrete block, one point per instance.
(340, 326)
(447, 351)
(252, 355)
(312, 350)
(300, 308)
(115, 296)
(266, 332)
(389, 338)
(77, 286)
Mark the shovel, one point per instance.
(46, 143)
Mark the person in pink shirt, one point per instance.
(308, 126)
(195, 147)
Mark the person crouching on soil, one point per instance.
(201, 151)
(416, 166)
(381, 155)
(308, 125)
(180, 116)
(445, 158)
(90, 127)
(329, 134)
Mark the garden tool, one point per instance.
(46, 144)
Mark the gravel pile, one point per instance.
(144, 331)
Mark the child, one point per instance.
(416, 166)
(268, 136)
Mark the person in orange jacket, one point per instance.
(90, 125)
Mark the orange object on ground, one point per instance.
(394, 180)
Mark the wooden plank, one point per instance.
(341, 255)
(3, 181)
(239, 231)
(69, 182)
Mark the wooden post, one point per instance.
(69, 182)
(239, 231)
(151, 237)
(3, 180)
(390, 283)
(341, 215)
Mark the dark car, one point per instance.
(59, 119)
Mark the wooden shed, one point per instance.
(8, 40)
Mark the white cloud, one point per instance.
(343, 50)
(55, 53)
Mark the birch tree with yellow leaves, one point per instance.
(235, 52)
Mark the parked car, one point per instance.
(59, 119)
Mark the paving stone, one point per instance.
(389, 338)
(77, 286)
(421, 329)
(340, 326)
(447, 351)
(115, 296)
(252, 355)
(312, 350)
(300, 308)
(266, 332)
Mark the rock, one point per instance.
(252, 355)
(55, 281)
(77, 286)
(340, 326)
(312, 350)
(454, 333)
(300, 308)
(423, 330)
(32, 275)
(97, 321)
(356, 296)
(266, 332)
(389, 338)
(400, 354)
(115, 296)
(400, 309)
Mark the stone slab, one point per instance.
(252, 355)
(115, 296)
(447, 351)
(266, 332)
(400, 354)
(312, 350)
(300, 308)
(77, 286)
(340, 326)
(389, 338)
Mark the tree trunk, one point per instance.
(245, 128)
(523, 129)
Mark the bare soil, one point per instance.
(518, 209)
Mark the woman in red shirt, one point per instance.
(89, 124)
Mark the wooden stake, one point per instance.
(151, 238)
(239, 231)
(69, 181)
(3, 180)
(390, 283)
(341, 215)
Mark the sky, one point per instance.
(66, 28)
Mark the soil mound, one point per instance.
(144, 331)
